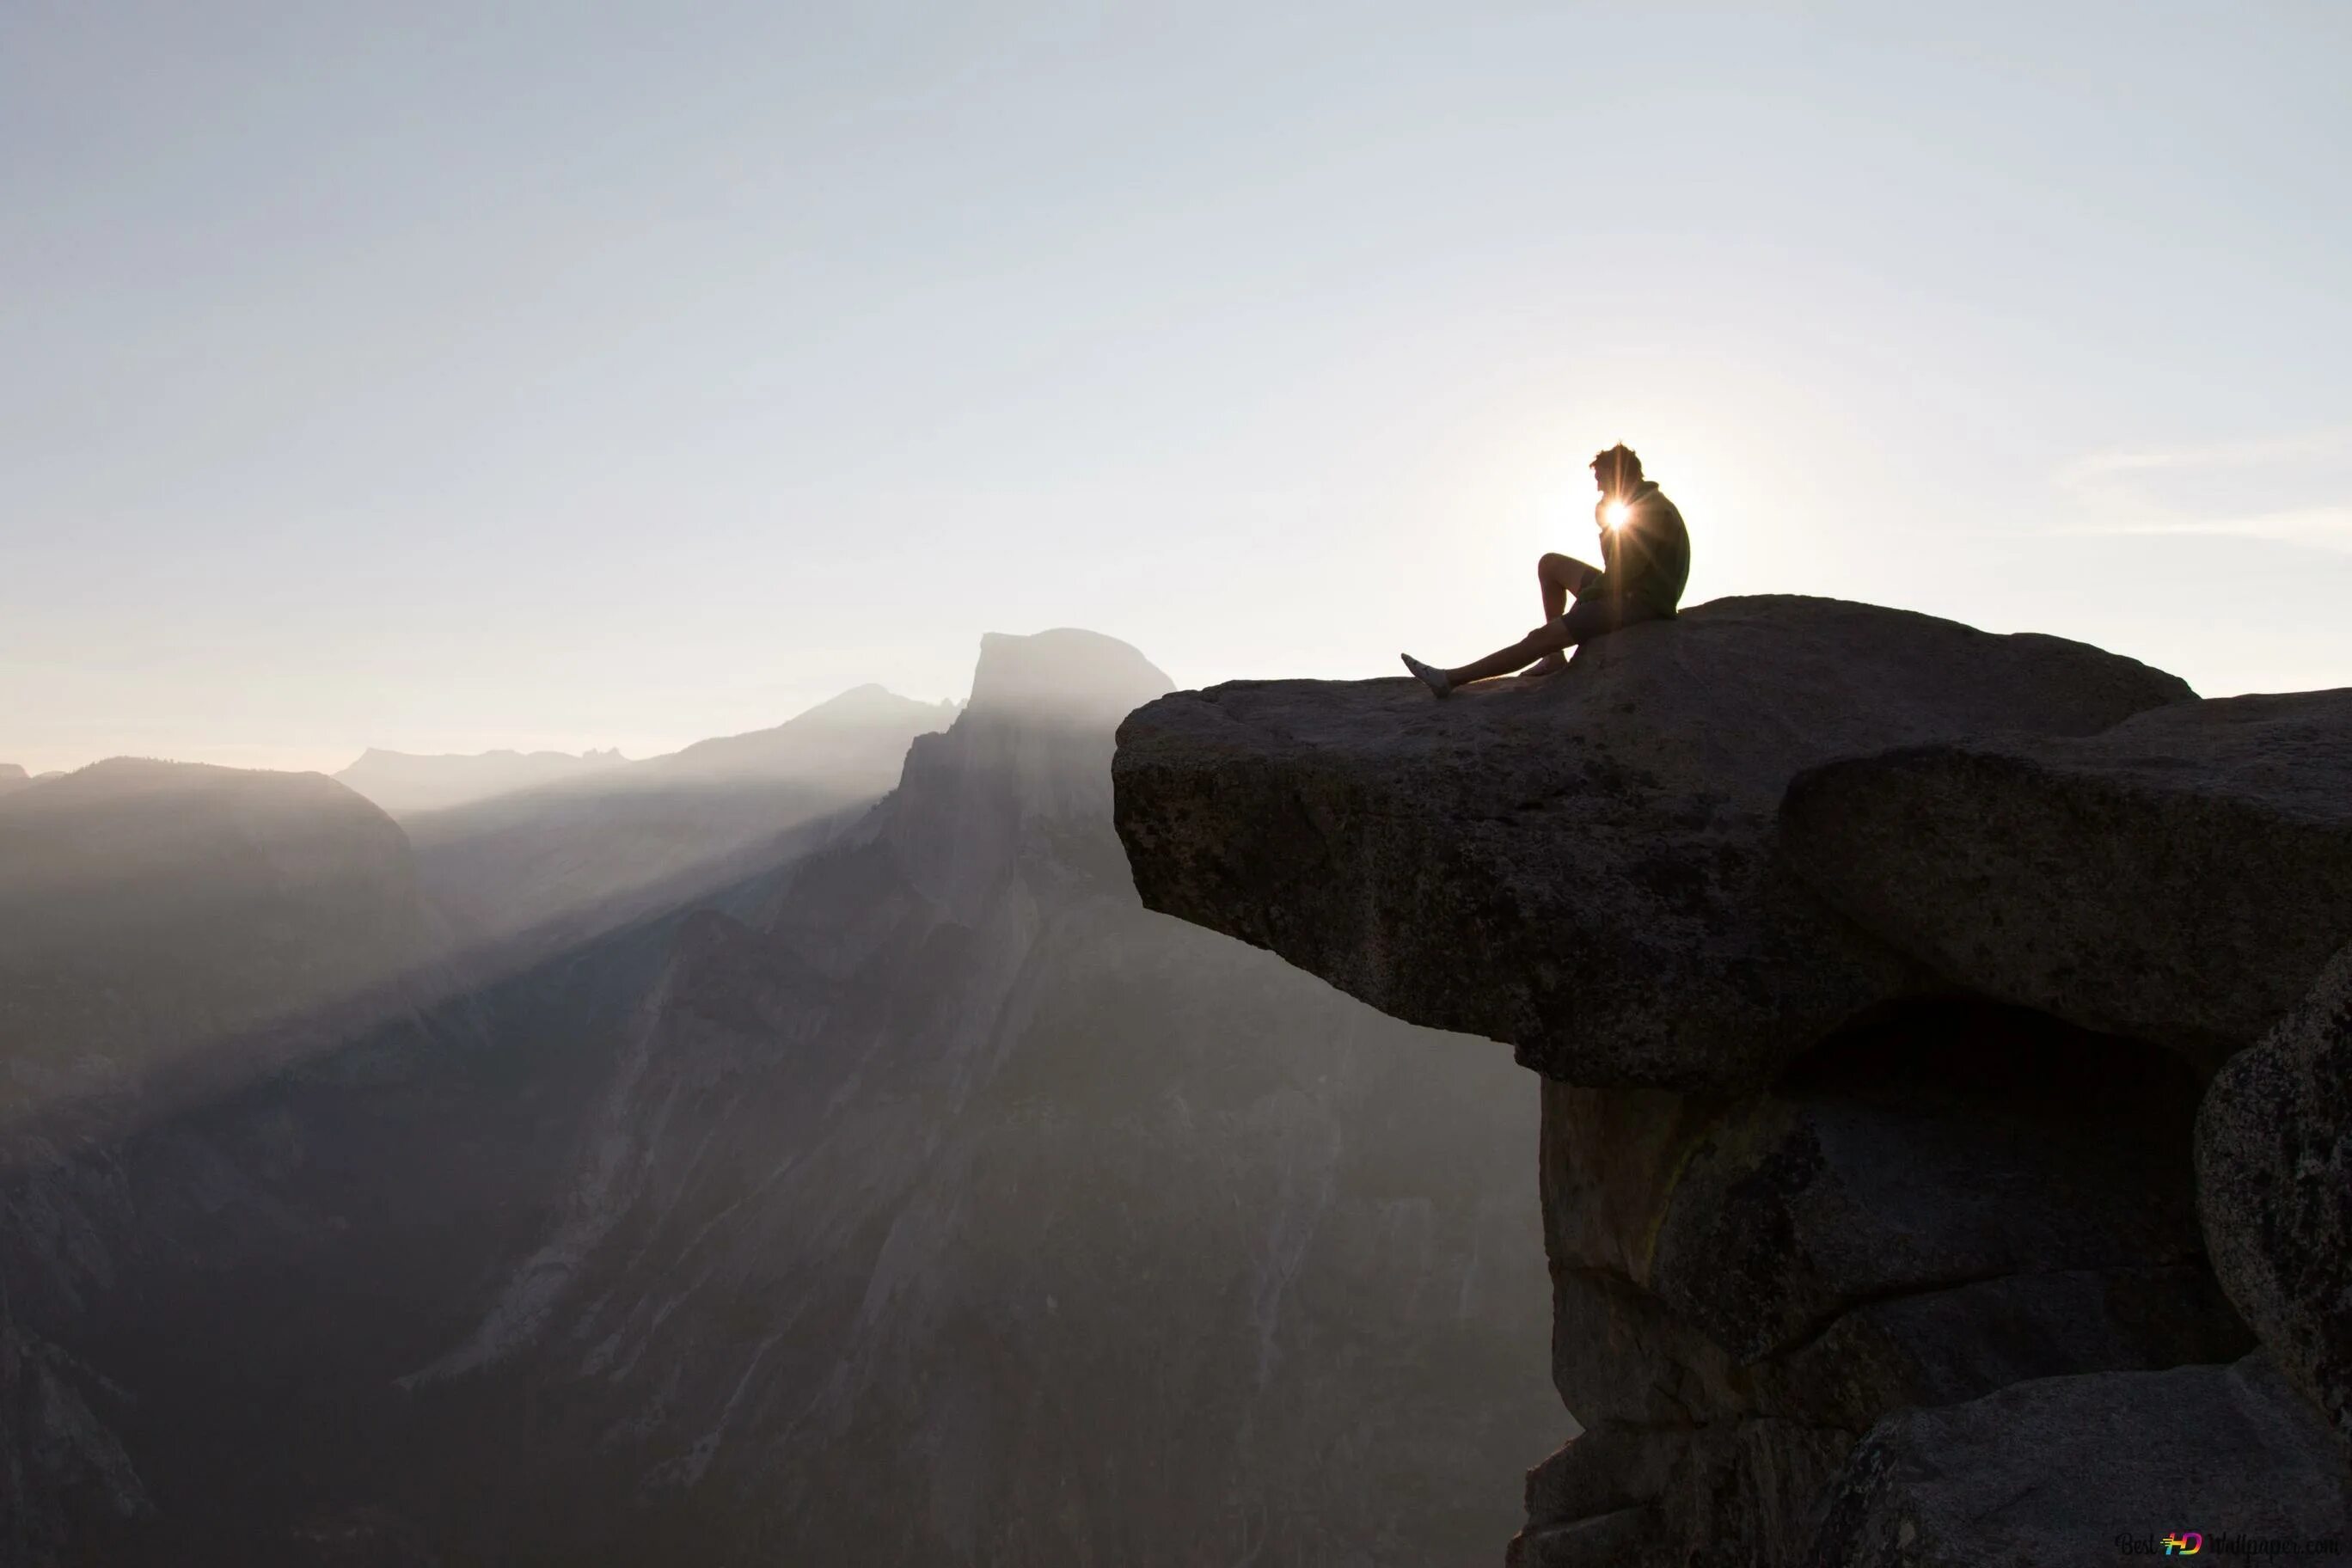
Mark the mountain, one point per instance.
(914, 1196)
(151, 911)
(404, 783)
(948, 1207)
(13, 777)
(170, 934)
(529, 873)
(855, 737)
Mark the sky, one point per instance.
(443, 377)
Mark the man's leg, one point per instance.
(1590, 618)
(1551, 638)
(1558, 577)
(1562, 578)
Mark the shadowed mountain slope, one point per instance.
(530, 873)
(953, 1208)
(919, 1199)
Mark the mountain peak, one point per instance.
(869, 703)
(862, 733)
(1065, 671)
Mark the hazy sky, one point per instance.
(450, 376)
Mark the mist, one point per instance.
(712, 850)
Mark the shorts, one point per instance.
(1602, 613)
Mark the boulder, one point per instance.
(1581, 865)
(2081, 1469)
(2275, 1190)
(2179, 877)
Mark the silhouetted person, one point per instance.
(1644, 561)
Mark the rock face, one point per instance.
(1543, 861)
(2082, 1469)
(2180, 877)
(2274, 1183)
(1869, 1132)
(1936, 1205)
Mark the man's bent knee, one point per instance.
(1566, 572)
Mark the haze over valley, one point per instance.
(859, 1174)
(1056, 785)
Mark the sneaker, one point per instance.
(1433, 677)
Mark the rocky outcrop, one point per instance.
(2082, 1469)
(2275, 1182)
(1542, 862)
(1866, 1128)
(2178, 877)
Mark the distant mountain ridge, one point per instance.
(151, 912)
(407, 782)
(858, 730)
(534, 869)
(855, 730)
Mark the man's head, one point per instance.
(1617, 470)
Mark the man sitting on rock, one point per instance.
(1644, 561)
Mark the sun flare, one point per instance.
(1615, 514)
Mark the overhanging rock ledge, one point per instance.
(1583, 866)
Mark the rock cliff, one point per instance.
(1876, 968)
